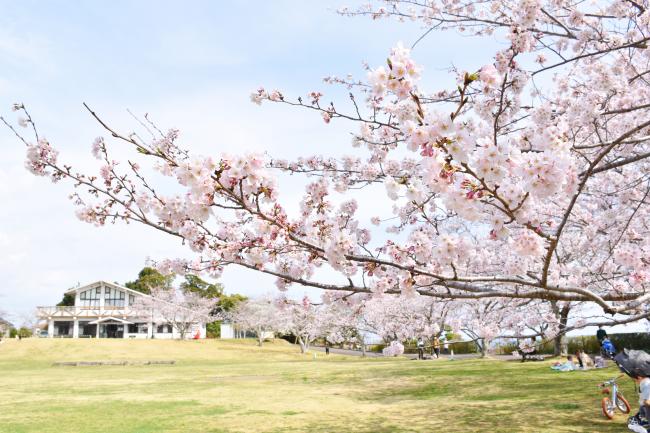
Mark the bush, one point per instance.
(463, 347)
(21, 332)
(213, 330)
(25, 332)
(587, 343)
(511, 346)
(630, 340)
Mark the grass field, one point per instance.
(233, 386)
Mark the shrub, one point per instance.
(213, 330)
(587, 343)
(25, 332)
(22, 332)
(628, 340)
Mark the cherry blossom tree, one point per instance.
(342, 320)
(395, 348)
(303, 320)
(182, 310)
(493, 319)
(261, 315)
(526, 178)
(483, 321)
(404, 318)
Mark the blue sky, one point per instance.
(191, 65)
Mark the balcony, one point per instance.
(55, 311)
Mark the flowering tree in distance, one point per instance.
(303, 320)
(483, 321)
(182, 311)
(259, 315)
(524, 178)
(342, 320)
(405, 318)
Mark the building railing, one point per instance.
(78, 311)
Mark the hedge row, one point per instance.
(632, 340)
(589, 343)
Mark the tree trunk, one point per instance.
(363, 349)
(483, 347)
(260, 337)
(304, 345)
(560, 347)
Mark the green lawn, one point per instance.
(222, 386)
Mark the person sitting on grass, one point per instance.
(527, 349)
(587, 362)
(566, 366)
(579, 358)
(584, 360)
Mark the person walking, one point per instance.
(420, 348)
(327, 348)
(436, 347)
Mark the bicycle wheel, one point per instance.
(608, 407)
(622, 404)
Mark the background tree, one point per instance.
(302, 319)
(404, 318)
(195, 284)
(260, 315)
(22, 332)
(148, 279)
(181, 310)
(229, 302)
(341, 320)
(225, 303)
(67, 301)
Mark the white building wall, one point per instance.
(227, 331)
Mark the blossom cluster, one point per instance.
(395, 348)
(505, 185)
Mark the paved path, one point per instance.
(349, 352)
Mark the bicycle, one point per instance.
(615, 399)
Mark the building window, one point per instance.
(63, 329)
(164, 329)
(138, 328)
(131, 300)
(113, 297)
(87, 330)
(90, 297)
